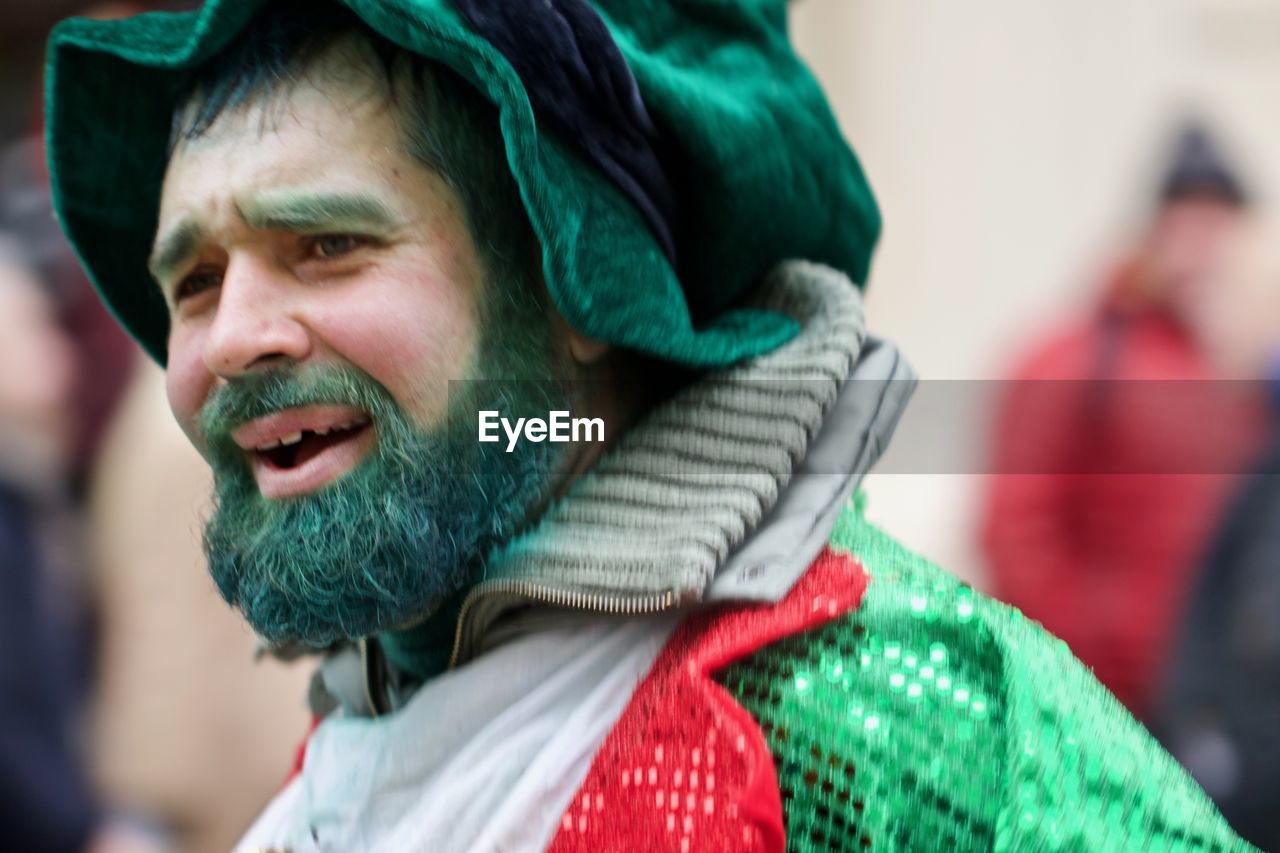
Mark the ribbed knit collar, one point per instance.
(647, 528)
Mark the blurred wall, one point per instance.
(23, 26)
(1012, 146)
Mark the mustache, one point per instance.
(245, 398)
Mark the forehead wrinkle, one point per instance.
(173, 247)
(296, 210)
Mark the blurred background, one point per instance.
(133, 714)
(1070, 192)
(1015, 150)
(1076, 192)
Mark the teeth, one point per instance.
(294, 438)
(351, 424)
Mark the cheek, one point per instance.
(187, 385)
(413, 335)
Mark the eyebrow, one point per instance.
(282, 209)
(310, 212)
(174, 247)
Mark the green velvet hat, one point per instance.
(765, 173)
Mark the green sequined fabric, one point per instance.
(932, 718)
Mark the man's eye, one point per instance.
(334, 245)
(195, 283)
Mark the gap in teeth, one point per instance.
(296, 437)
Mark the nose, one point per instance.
(257, 324)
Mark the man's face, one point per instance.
(1185, 250)
(324, 288)
(299, 232)
(37, 373)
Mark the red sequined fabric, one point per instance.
(686, 767)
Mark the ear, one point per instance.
(585, 350)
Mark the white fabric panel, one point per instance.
(482, 758)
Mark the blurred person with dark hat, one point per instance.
(1118, 439)
(356, 234)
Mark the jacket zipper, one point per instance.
(569, 599)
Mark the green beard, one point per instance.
(393, 538)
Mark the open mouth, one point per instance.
(300, 450)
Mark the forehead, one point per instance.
(1207, 205)
(335, 125)
(344, 64)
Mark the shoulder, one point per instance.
(931, 712)
(1065, 352)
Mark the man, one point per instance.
(1222, 693)
(44, 789)
(675, 635)
(1109, 476)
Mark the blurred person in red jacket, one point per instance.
(1117, 440)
